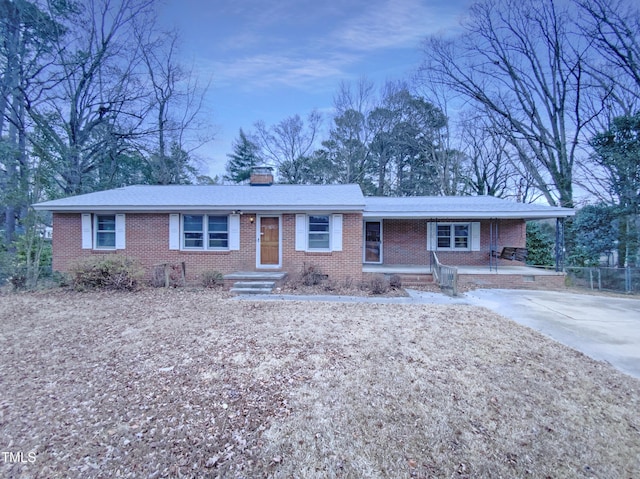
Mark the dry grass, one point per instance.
(175, 383)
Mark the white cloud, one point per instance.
(393, 23)
(313, 45)
(265, 70)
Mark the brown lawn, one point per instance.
(185, 383)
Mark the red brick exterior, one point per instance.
(337, 264)
(147, 240)
(404, 241)
(513, 281)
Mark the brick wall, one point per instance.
(405, 242)
(513, 281)
(337, 264)
(66, 240)
(147, 240)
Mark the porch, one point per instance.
(462, 270)
(507, 277)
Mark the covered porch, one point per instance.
(469, 277)
(475, 270)
(467, 238)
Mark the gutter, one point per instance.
(527, 215)
(205, 208)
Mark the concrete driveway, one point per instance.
(604, 328)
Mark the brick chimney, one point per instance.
(261, 176)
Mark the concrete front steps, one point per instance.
(253, 282)
(253, 287)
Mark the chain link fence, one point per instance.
(620, 280)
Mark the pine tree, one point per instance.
(246, 155)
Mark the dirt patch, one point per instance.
(178, 383)
(379, 286)
(339, 290)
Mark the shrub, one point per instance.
(395, 281)
(211, 279)
(18, 279)
(378, 284)
(112, 272)
(63, 280)
(311, 275)
(331, 285)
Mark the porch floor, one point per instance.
(476, 270)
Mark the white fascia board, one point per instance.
(529, 215)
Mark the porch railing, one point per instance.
(445, 276)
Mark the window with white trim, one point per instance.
(105, 228)
(454, 236)
(318, 232)
(193, 231)
(218, 227)
(210, 232)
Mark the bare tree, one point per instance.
(96, 103)
(175, 105)
(359, 97)
(614, 26)
(519, 62)
(490, 165)
(289, 144)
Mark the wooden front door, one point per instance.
(269, 241)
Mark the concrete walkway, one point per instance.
(604, 328)
(415, 297)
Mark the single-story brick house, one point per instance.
(271, 227)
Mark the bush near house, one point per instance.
(378, 284)
(211, 279)
(113, 272)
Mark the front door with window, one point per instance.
(269, 241)
(373, 242)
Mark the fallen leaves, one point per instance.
(191, 383)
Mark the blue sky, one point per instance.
(271, 60)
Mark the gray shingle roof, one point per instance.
(292, 198)
(459, 207)
(215, 197)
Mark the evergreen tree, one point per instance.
(540, 245)
(246, 155)
(595, 234)
(618, 153)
